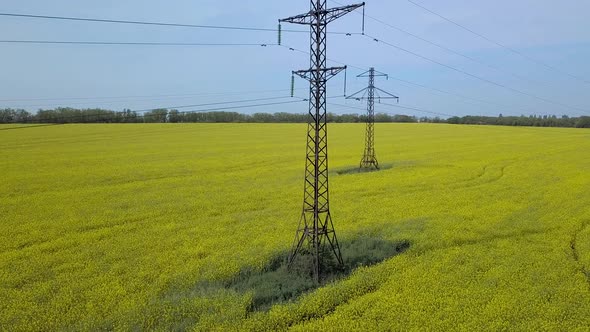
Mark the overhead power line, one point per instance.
(510, 49)
(101, 99)
(475, 76)
(167, 107)
(457, 95)
(71, 42)
(474, 60)
(449, 50)
(393, 105)
(216, 103)
(166, 24)
(247, 106)
(331, 60)
(418, 109)
(228, 44)
(464, 97)
(100, 20)
(101, 116)
(152, 96)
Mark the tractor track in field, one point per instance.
(32, 126)
(576, 254)
(48, 245)
(483, 178)
(108, 183)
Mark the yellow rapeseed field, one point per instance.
(119, 227)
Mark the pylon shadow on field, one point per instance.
(277, 283)
(357, 169)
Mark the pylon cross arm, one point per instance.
(387, 94)
(328, 15)
(355, 95)
(375, 74)
(330, 72)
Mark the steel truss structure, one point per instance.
(316, 230)
(369, 159)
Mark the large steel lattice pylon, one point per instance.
(316, 230)
(369, 159)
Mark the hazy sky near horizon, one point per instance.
(142, 77)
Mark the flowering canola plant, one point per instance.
(124, 226)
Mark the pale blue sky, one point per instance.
(555, 32)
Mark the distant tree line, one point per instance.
(73, 115)
(530, 121)
(68, 115)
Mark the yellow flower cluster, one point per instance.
(135, 226)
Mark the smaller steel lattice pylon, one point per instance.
(369, 93)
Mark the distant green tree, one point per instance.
(262, 117)
(583, 122)
(10, 115)
(174, 116)
(156, 116)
